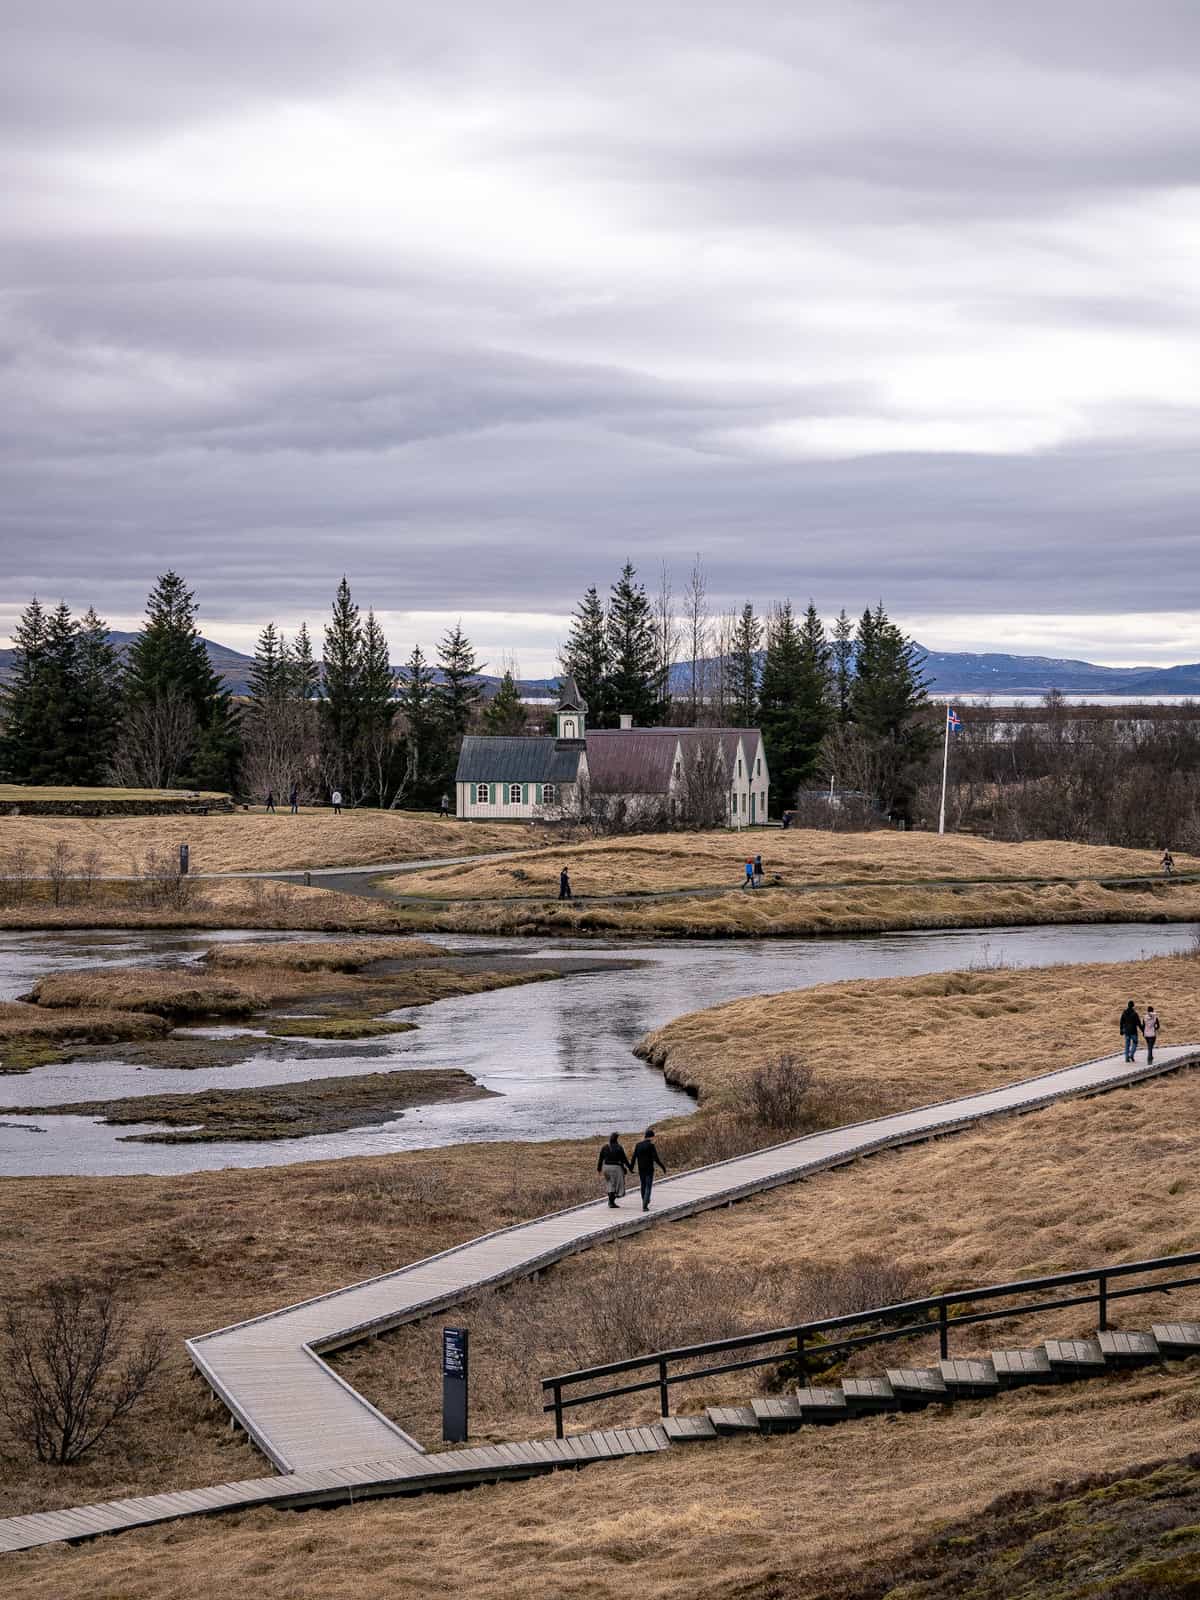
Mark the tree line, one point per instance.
(847, 705)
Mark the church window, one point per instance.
(481, 794)
(739, 766)
(758, 768)
(548, 794)
(514, 794)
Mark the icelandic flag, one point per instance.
(953, 720)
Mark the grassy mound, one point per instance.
(340, 955)
(174, 992)
(32, 1037)
(336, 1028)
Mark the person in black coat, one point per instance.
(612, 1166)
(1131, 1026)
(645, 1159)
(564, 885)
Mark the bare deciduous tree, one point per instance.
(73, 1366)
(696, 638)
(157, 738)
(666, 637)
(702, 788)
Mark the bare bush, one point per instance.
(15, 880)
(776, 1095)
(61, 862)
(89, 871)
(73, 1366)
(159, 884)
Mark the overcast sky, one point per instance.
(475, 301)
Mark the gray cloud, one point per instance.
(859, 299)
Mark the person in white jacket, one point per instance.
(1150, 1032)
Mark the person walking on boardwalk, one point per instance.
(645, 1159)
(294, 799)
(758, 871)
(270, 802)
(336, 798)
(612, 1167)
(444, 808)
(749, 883)
(1131, 1026)
(564, 885)
(1168, 863)
(1150, 1032)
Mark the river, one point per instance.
(558, 1055)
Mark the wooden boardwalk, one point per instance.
(330, 1442)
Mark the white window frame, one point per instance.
(514, 794)
(483, 794)
(549, 794)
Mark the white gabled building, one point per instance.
(649, 768)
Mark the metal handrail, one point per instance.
(941, 1305)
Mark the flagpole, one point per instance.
(945, 765)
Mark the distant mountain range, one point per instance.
(949, 672)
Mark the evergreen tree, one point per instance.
(303, 671)
(458, 693)
(167, 666)
(268, 677)
(24, 698)
(888, 706)
(843, 664)
(421, 784)
(585, 654)
(98, 686)
(60, 758)
(504, 712)
(377, 708)
(747, 640)
(630, 684)
(778, 704)
(814, 710)
(341, 707)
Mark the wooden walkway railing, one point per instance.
(328, 1439)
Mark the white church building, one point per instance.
(529, 777)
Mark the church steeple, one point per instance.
(571, 716)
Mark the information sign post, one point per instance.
(455, 1372)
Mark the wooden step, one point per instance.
(777, 1416)
(969, 1377)
(1177, 1338)
(822, 1405)
(733, 1419)
(1075, 1358)
(918, 1387)
(1014, 1367)
(1128, 1349)
(867, 1396)
(688, 1430)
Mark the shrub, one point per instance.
(72, 1366)
(776, 1095)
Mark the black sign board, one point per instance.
(455, 1372)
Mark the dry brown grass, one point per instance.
(1109, 1177)
(899, 1042)
(235, 903)
(741, 1520)
(661, 862)
(797, 913)
(255, 842)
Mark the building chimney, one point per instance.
(626, 719)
